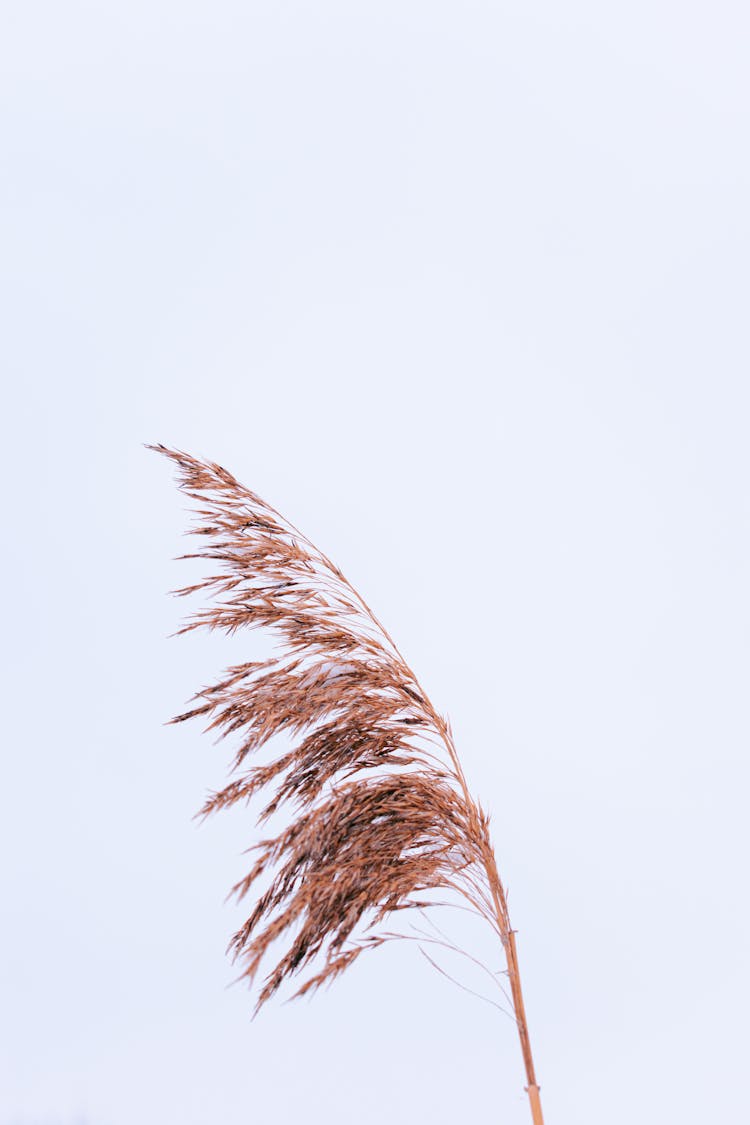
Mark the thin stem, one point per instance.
(514, 976)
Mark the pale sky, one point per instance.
(463, 290)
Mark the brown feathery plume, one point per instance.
(382, 812)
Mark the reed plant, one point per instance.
(380, 817)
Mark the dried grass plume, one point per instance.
(380, 815)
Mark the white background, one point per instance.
(463, 290)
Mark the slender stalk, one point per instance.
(508, 936)
(514, 976)
(532, 1089)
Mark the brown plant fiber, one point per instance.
(380, 812)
